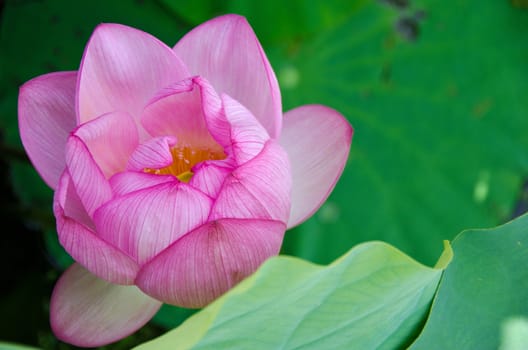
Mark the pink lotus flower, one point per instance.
(175, 172)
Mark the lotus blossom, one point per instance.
(175, 171)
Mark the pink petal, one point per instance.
(130, 181)
(144, 222)
(87, 311)
(111, 139)
(69, 203)
(122, 69)
(209, 177)
(77, 236)
(205, 263)
(247, 137)
(317, 140)
(90, 183)
(46, 115)
(235, 128)
(154, 154)
(177, 110)
(226, 52)
(260, 189)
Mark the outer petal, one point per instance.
(90, 183)
(46, 115)
(226, 51)
(77, 236)
(208, 261)
(143, 223)
(122, 69)
(260, 189)
(317, 140)
(111, 139)
(87, 311)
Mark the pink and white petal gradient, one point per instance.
(89, 312)
(122, 68)
(46, 115)
(317, 140)
(226, 51)
(205, 263)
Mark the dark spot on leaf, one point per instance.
(408, 28)
(482, 108)
(50, 66)
(420, 15)
(452, 90)
(54, 19)
(520, 3)
(78, 33)
(521, 206)
(389, 42)
(365, 94)
(400, 4)
(386, 73)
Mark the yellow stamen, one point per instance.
(184, 158)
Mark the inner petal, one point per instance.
(178, 110)
(185, 157)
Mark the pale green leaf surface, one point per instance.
(482, 298)
(12, 346)
(373, 297)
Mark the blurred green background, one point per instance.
(437, 94)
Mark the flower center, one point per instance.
(184, 158)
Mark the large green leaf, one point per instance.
(483, 290)
(374, 297)
(440, 123)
